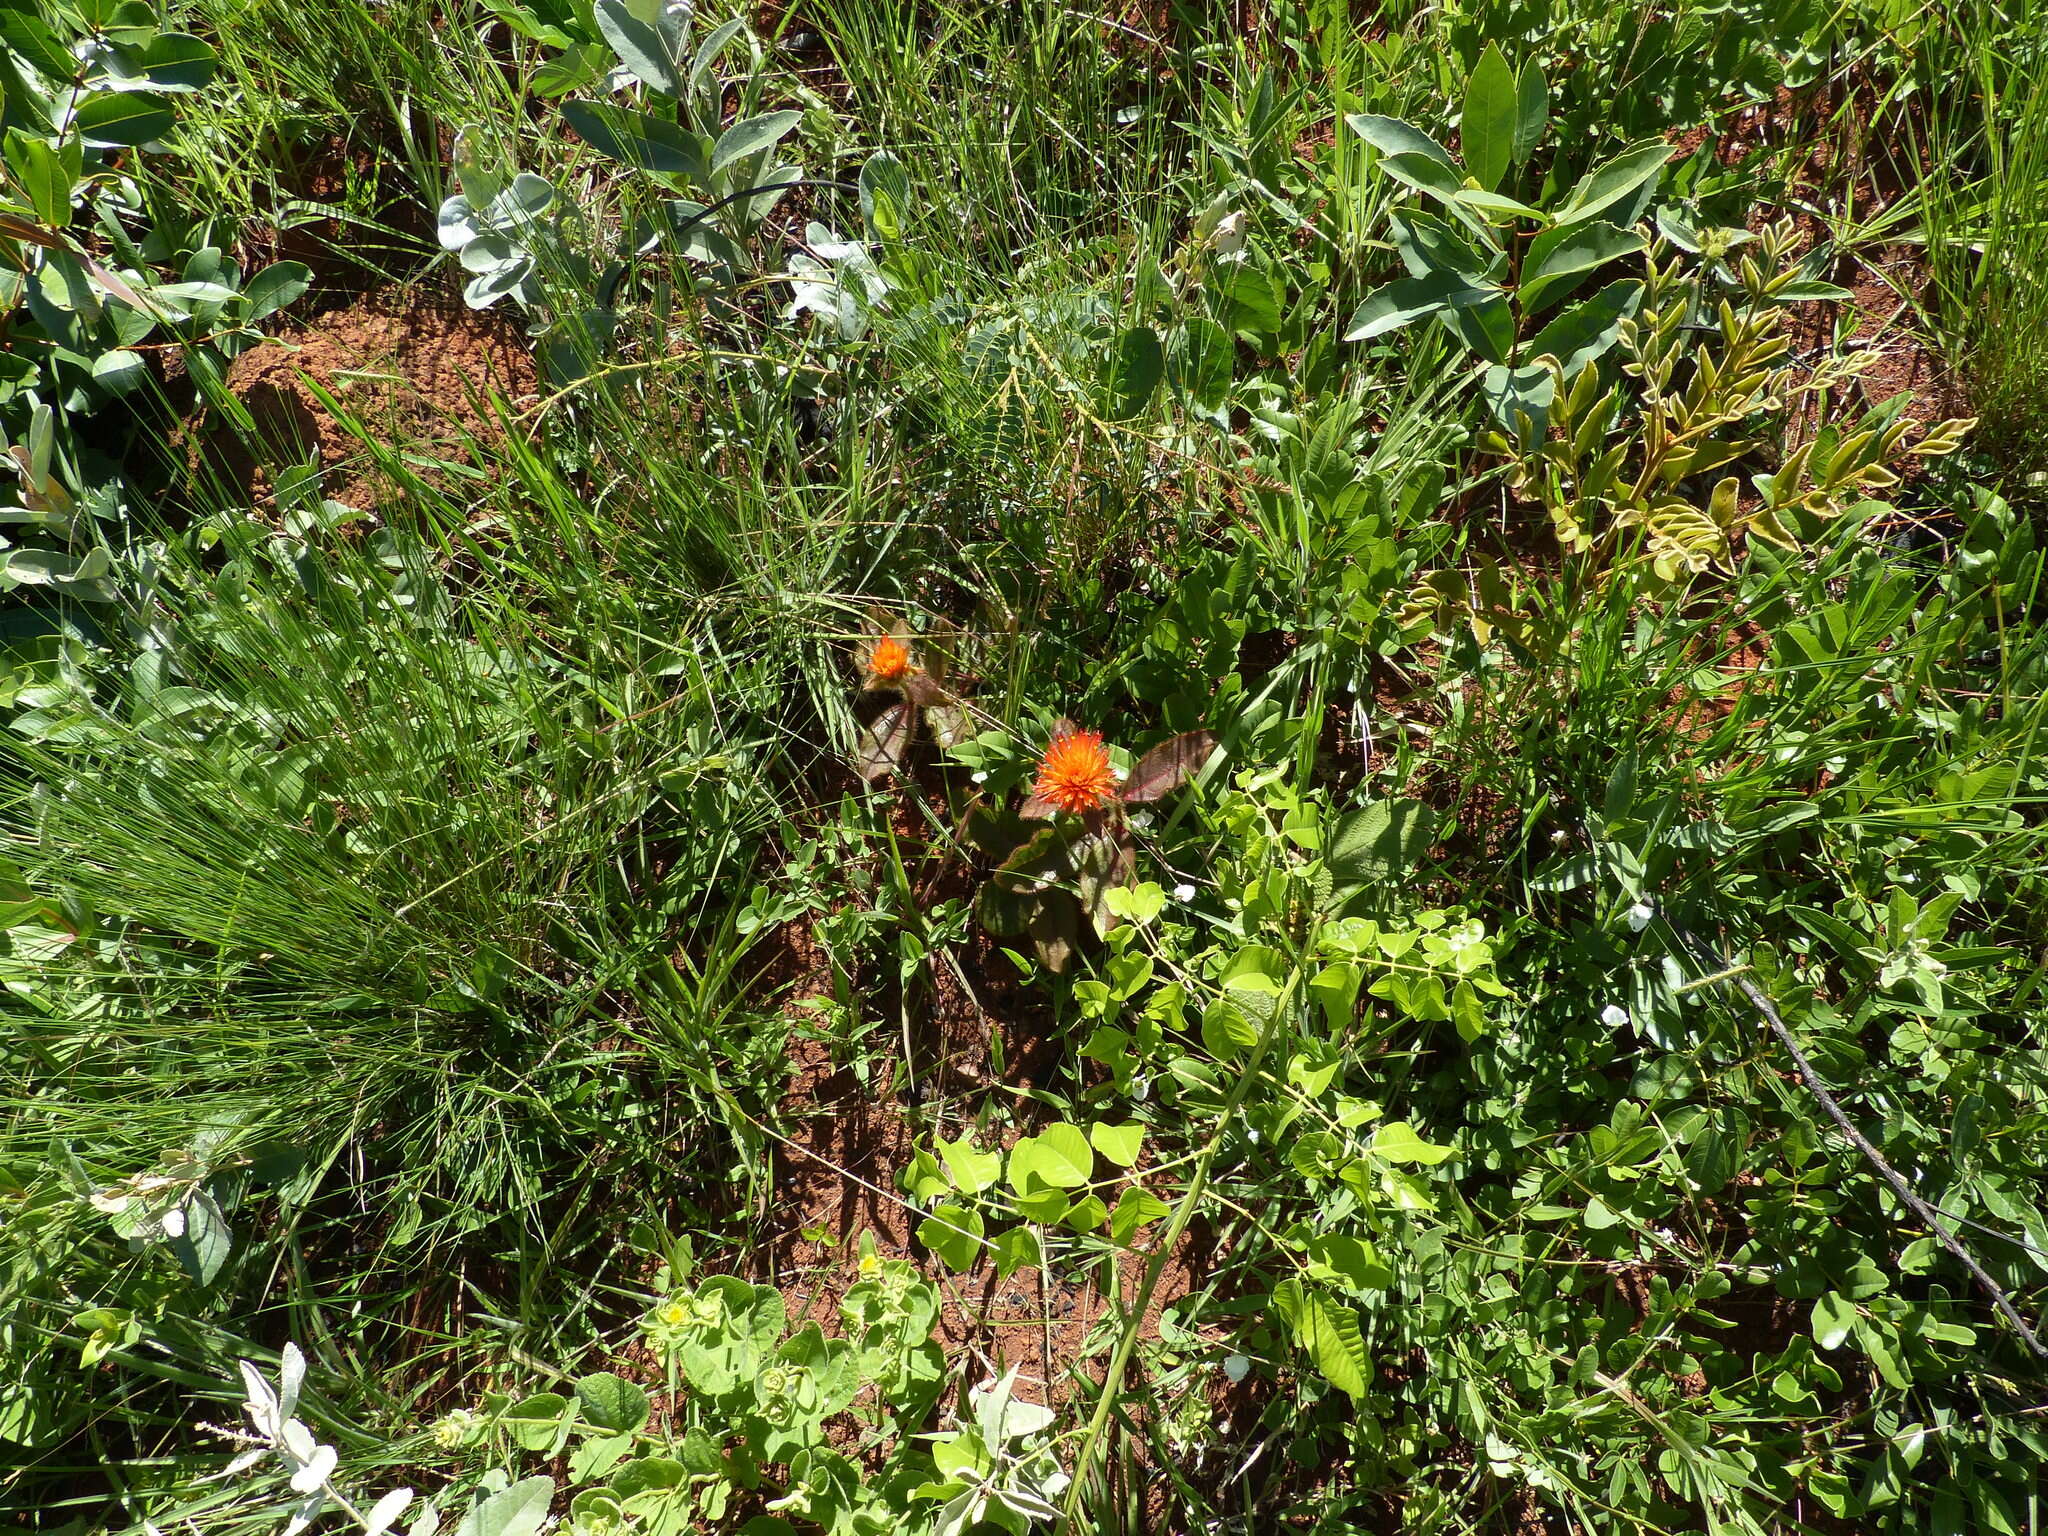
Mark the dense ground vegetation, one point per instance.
(923, 766)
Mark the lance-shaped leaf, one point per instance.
(638, 139)
(1168, 766)
(1408, 299)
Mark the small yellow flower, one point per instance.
(675, 1314)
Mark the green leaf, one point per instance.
(1017, 1249)
(1408, 299)
(121, 120)
(1352, 1261)
(537, 1421)
(1131, 372)
(1561, 258)
(1328, 1333)
(1119, 1143)
(45, 174)
(1626, 179)
(1086, 1214)
(28, 35)
(1135, 1208)
(1060, 1155)
(635, 138)
(1428, 176)
(1392, 136)
(177, 61)
(954, 1233)
(597, 1456)
(1834, 1317)
(653, 1474)
(515, 1511)
(641, 47)
(277, 285)
(972, 1169)
(204, 1245)
(1379, 843)
(1397, 1142)
(1199, 363)
(1588, 330)
(752, 136)
(1532, 111)
(1486, 132)
(611, 1402)
(1226, 1032)
(573, 69)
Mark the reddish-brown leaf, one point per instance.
(1168, 766)
(883, 743)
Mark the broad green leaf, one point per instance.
(121, 120)
(1439, 181)
(536, 1422)
(516, 1511)
(277, 285)
(1406, 300)
(1328, 1332)
(1834, 1317)
(1135, 1208)
(30, 36)
(204, 1244)
(45, 173)
(1017, 1249)
(953, 1233)
(611, 1402)
(752, 136)
(177, 61)
(972, 1169)
(1380, 842)
(1485, 325)
(1532, 111)
(1353, 1261)
(1064, 1157)
(1397, 1142)
(1226, 1032)
(1587, 331)
(573, 69)
(1086, 1214)
(1131, 372)
(1561, 258)
(1199, 362)
(1119, 1143)
(1627, 179)
(1486, 132)
(1428, 246)
(884, 195)
(641, 47)
(635, 138)
(1392, 136)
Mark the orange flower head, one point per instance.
(889, 660)
(1074, 774)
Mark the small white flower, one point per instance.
(1183, 892)
(1613, 1016)
(979, 776)
(1639, 916)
